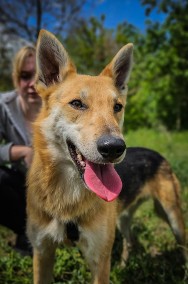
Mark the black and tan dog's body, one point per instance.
(146, 174)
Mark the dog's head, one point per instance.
(82, 115)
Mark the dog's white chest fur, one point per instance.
(55, 231)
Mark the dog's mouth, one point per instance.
(102, 179)
(77, 158)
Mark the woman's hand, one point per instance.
(18, 152)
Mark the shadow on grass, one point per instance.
(161, 267)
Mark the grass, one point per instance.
(155, 257)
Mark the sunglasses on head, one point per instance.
(26, 76)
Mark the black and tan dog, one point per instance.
(146, 174)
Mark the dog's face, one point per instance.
(82, 115)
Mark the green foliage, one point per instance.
(166, 42)
(70, 267)
(91, 46)
(14, 269)
(5, 83)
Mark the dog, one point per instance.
(146, 174)
(72, 184)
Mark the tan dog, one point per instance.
(72, 184)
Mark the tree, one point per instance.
(137, 99)
(21, 21)
(25, 18)
(92, 46)
(171, 60)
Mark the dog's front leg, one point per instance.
(43, 260)
(96, 245)
(101, 270)
(98, 260)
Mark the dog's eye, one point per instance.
(118, 107)
(77, 104)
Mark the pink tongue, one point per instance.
(103, 180)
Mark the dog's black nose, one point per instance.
(110, 147)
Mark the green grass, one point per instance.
(155, 257)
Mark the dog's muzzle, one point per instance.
(101, 178)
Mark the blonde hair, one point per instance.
(20, 57)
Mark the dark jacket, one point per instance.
(13, 130)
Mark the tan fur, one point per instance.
(56, 193)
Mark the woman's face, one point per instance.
(26, 82)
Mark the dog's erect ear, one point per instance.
(53, 62)
(120, 67)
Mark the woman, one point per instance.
(18, 109)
